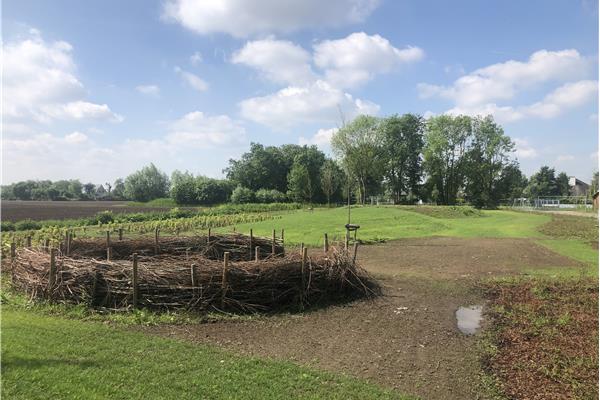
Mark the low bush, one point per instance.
(242, 195)
(27, 225)
(7, 226)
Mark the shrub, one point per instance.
(270, 196)
(27, 225)
(105, 217)
(242, 195)
(6, 226)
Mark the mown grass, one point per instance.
(388, 223)
(48, 357)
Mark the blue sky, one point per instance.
(95, 90)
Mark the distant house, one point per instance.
(595, 197)
(577, 187)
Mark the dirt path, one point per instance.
(407, 339)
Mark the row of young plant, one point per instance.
(107, 217)
(174, 226)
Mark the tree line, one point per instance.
(406, 158)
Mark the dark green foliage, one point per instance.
(146, 184)
(543, 183)
(332, 181)
(242, 195)
(7, 226)
(562, 182)
(270, 196)
(189, 190)
(104, 217)
(27, 224)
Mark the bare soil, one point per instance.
(17, 210)
(407, 339)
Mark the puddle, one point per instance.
(468, 319)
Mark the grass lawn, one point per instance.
(50, 357)
(387, 223)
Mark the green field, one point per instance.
(388, 223)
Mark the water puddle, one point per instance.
(468, 319)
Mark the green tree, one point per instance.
(562, 181)
(542, 183)
(261, 167)
(183, 188)
(403, 144)
(299, 184)
(487, 156)
(447, 138)
(359, 145)
(147, 184)
(119, 189)
(594, 184)
(90, 190)
(332, 178)
(242, 195)
(512, 182)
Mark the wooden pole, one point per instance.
(46, 245)
(68, 244)
(52, 277)
(156, 245)
(208, 237)
(257, 254)
(224, 279)
(187, 253)
(301, 248)
(29, 241)
(251, 242)
(282, 240)
(326, 244)
(108, 253)
(120, 233)
(13, 251)
(107, 239)
(135, 281)
(194, 278)
(94, 289)
(273, 243)
(347, 240)
(355, 252)
(304, 258)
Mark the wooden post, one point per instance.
(208, 237)
(301, 248)
(46, 245)
(355, 252)
(347, 240)
(326, 245)
(194, 279)
(29, 241)
(257, 254)
(187, 253)
(94, 289)
(135, 281)
(107, 239)
(52, 276)
(273, 243)
(108, 253)
(68, 244)
(13, 251)
(224, 279)
(156, 245)
(120, 233)
(251, 241)
(282, 239)
(304, 257)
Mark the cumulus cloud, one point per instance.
(319, 102)
(502, 81)
(76, 137)
(200, 131)
(524, 150)
(356, 58)
(196, 58)
(40, 83)
(279, 61)
(149, 90)
(242, 18)
(322, 138)
(194, 81)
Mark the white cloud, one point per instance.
(39, 83)
(524, 150)
(560, 100)
(503, 81)
(194, 81)
(356, 58)
(322, 138)
(150, 90)
(196, 58)
(279, 61)
(200, 131)
(565, 157)
(242, 18)
(81, 110)
(75, 137)
(319, 102)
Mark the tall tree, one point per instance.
(299, 184)
(360, 148)
(512, 182)
(403, 144)
(562, 182)
(260, 168)
(447, 138)
(487, 156)
(331, 179)
(147, 184)
(542, 183)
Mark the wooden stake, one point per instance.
(208, 237)
(52, 277)
(347, 240)
(94, 288)
(301, 248)
(326, 245)
(224, 279)
(187, 253)
(156, 245)
(194, 276)
(355, 252)
(120, 233)
(257, 254)
(304, 258)
(251, 242)
(68, 244)
(28, 241)
(135, 281)
(273, 243)
(13, 251)
(282, 240)
(107, 239)
(46, 245)
(108, 253)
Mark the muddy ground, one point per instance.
(406, 339)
